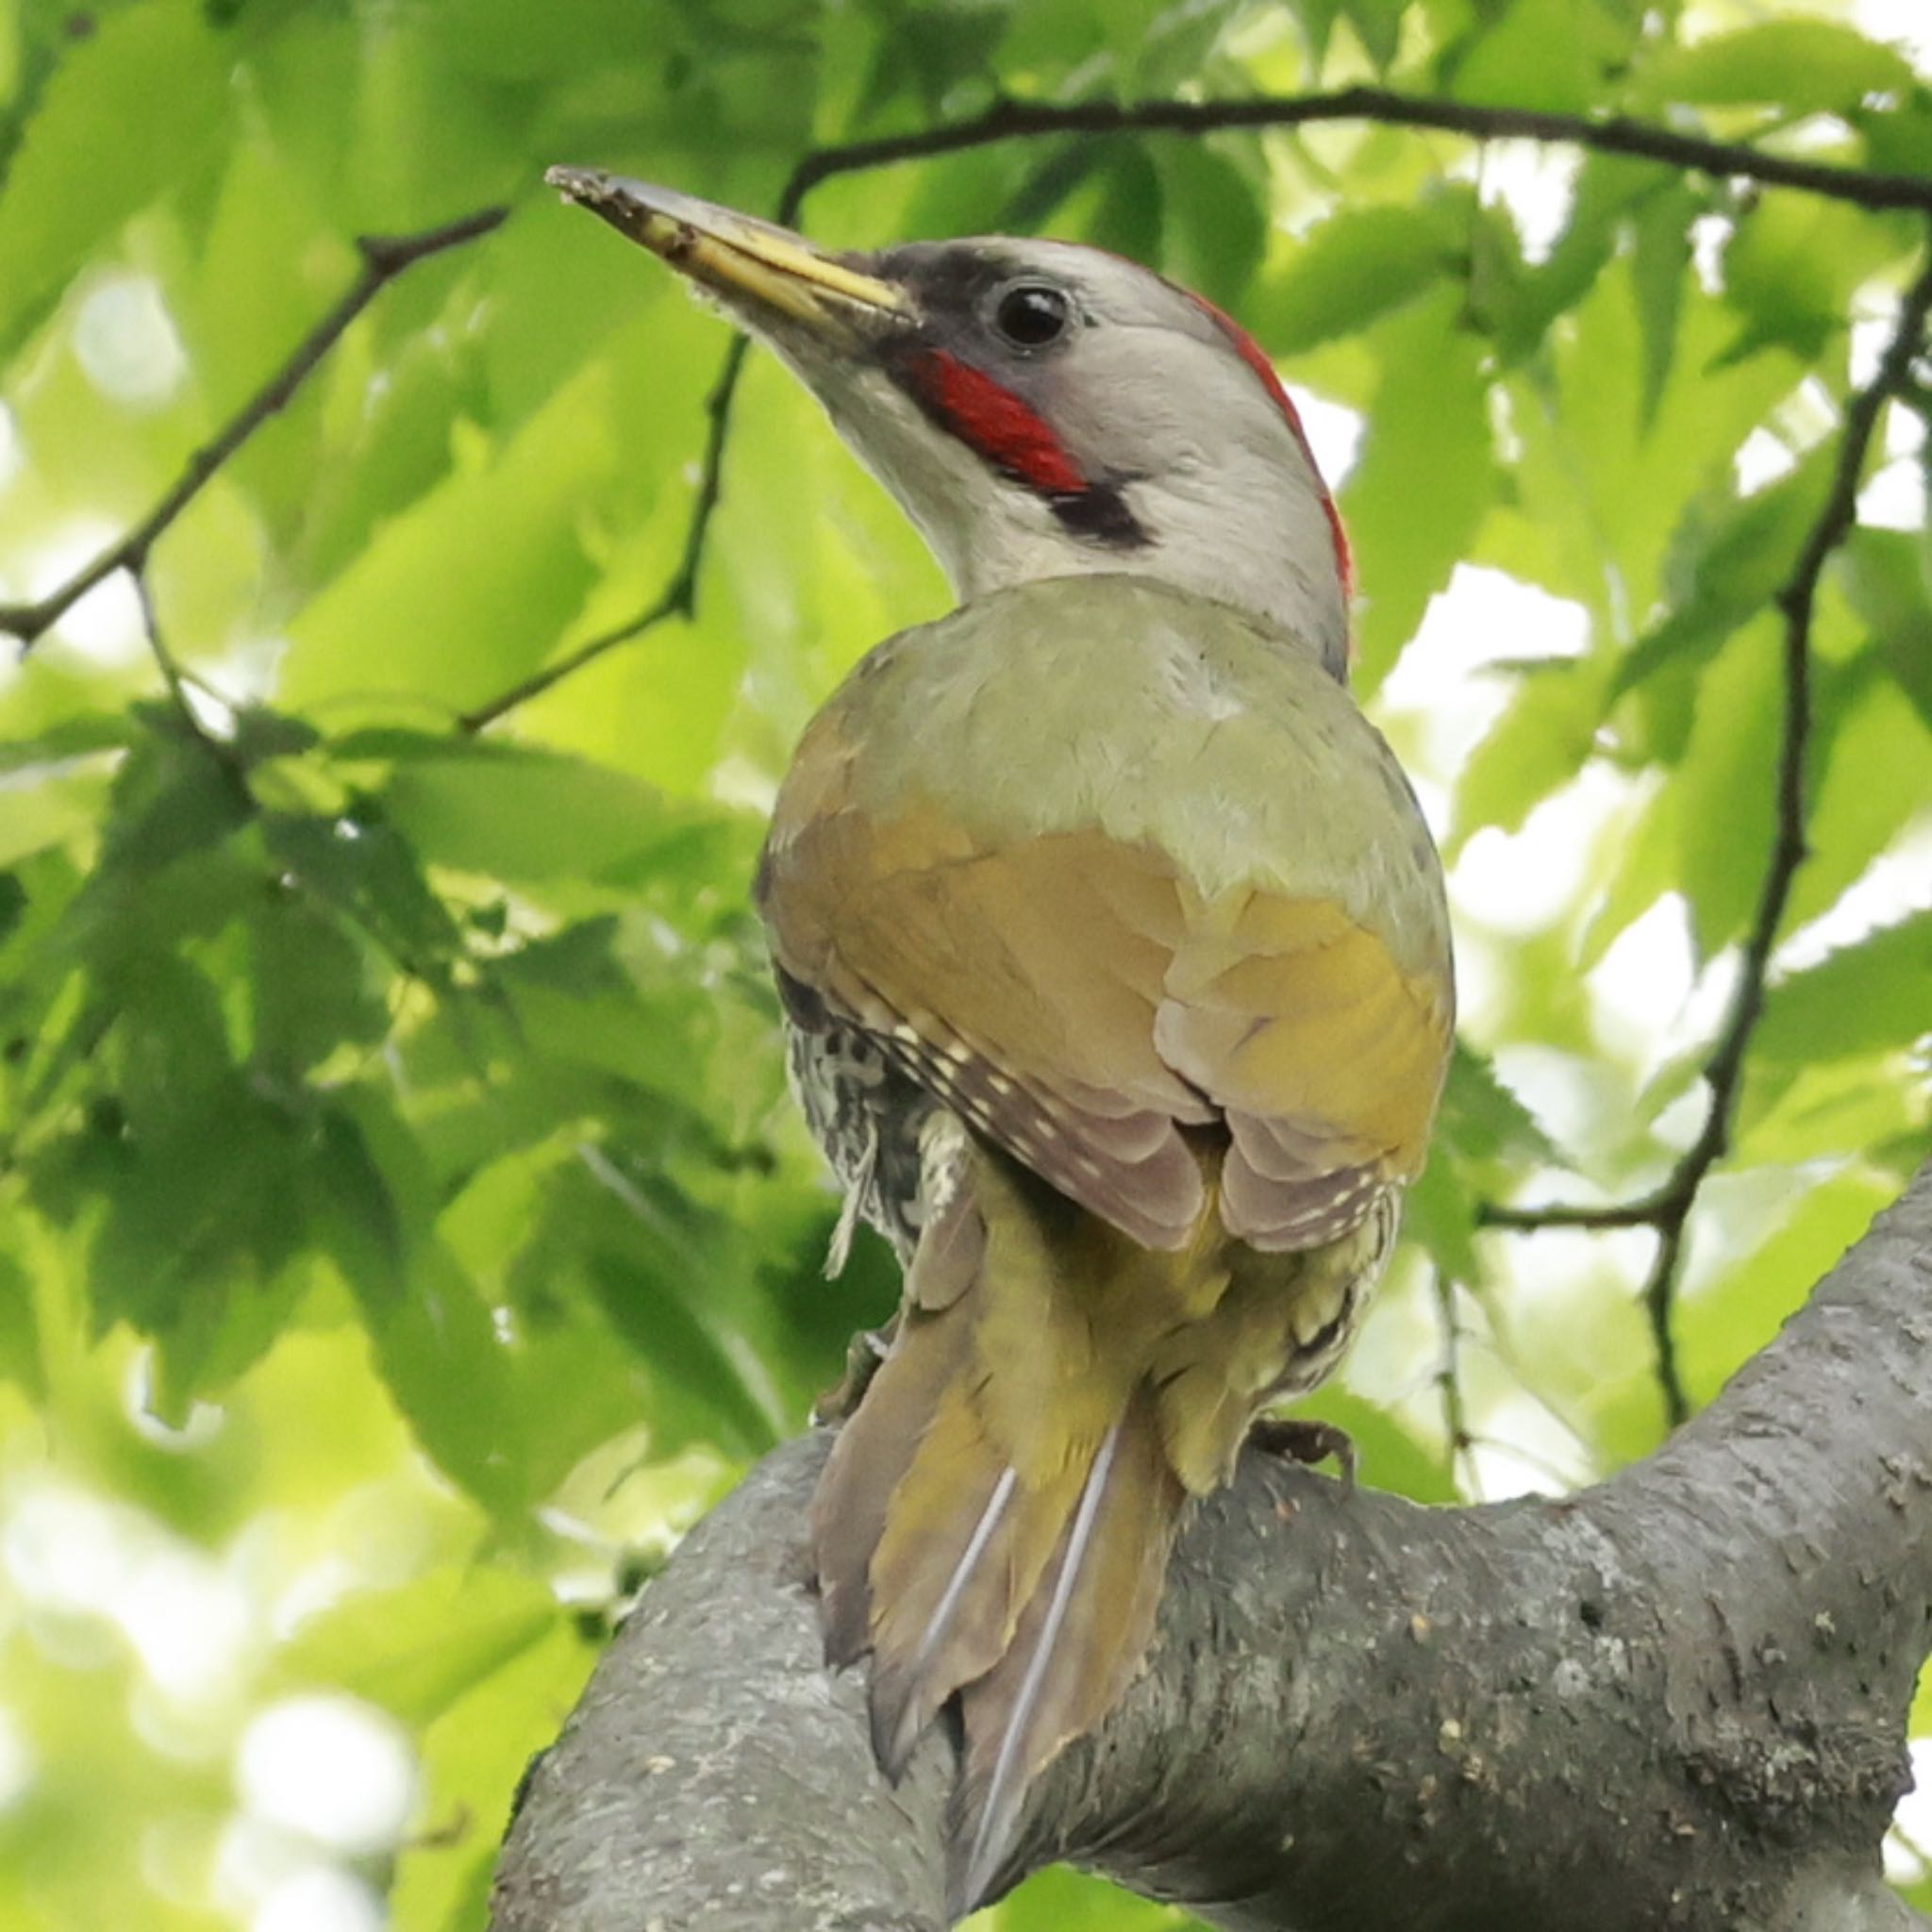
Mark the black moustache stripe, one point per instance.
(1100, 513)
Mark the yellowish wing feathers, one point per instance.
(1077, 1003)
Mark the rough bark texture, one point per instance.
(1675, 1700)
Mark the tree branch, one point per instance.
(1678, 1699)
(1614, 134)
(1667, 1210)
(384, 258)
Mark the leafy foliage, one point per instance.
(403, 1231)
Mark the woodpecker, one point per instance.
(1112, 950)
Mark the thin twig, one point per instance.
(1638, 140)
(224, 753)
(1667, 1209)
(1449, 1373)
(384, 258)
(680, 598)
(1641, 1212)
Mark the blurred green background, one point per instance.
(403, 1234)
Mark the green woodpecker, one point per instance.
(1112, 947)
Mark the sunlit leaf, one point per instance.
(1799, 64)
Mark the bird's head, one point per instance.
(1040, 408)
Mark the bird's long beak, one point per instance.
(765, 273)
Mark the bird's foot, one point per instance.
(1300, 1439)
(868, 1349)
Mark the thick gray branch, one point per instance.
(1678, 1700)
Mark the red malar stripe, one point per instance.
(1252, 353)
(990, 418)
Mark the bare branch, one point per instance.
(384, 258)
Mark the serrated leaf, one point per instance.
(1439, 1215)
(1427, 478)
(1788, 1231)
(1482, 1119)
(364, 867)
(1646, 869)
(1609, 190)
(1872, 996)
(1735, 561)
(1537, 746)
(358, 1221)
(309, 988)
(443, 1361)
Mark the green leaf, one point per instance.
(1611, 192)
(358, 1223)
(79, 737)
(1482, 1119)
(1733, 562)
(1532, 58)
(450, 1374)
(21, 1360)
(1439, 1215)
(1871, 775)
(310, 987)
(1379, 23)
(1727, 785)
(1884, 574)
(1215, 233)
(1660, 265)
(1866, 997)
(416, 1649)
(362, 866)
(466, 593)
(1787, 1232)
(1426, 477)
(1793, 265)
(1355, 267)
(516, 812)
(1799, 66)
(1539, 745)
(136, 112)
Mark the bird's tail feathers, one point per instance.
(1080, 1638)
(976, 1546)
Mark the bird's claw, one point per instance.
(1299, 1439)
(868, 1349)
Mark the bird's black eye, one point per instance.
(1032, 314)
